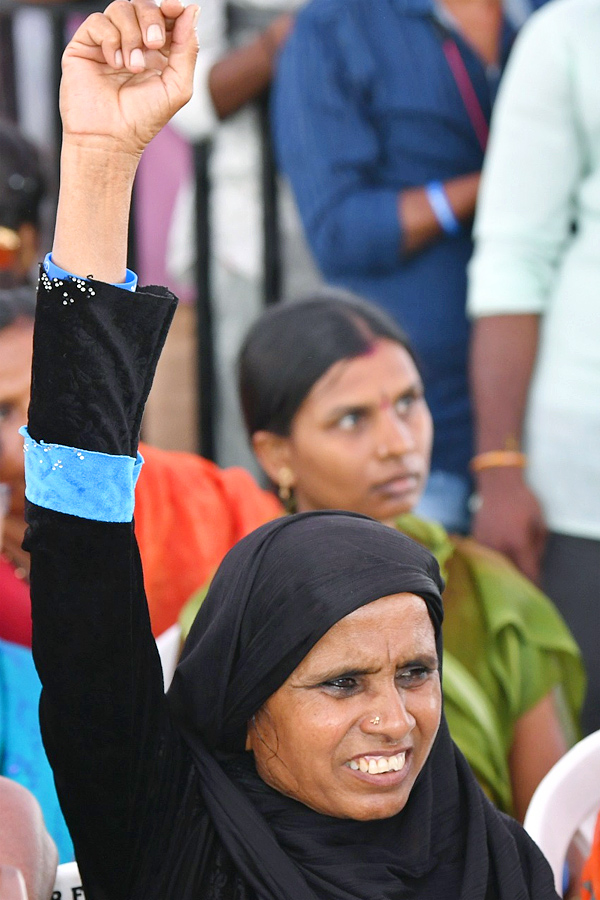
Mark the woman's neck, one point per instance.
(480, 21)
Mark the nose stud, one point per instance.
(375, 721)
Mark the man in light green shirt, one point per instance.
(535, 295)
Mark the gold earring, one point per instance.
(286, 482)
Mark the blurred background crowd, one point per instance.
(439, 159)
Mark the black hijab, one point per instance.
(274, 596)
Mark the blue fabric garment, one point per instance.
(81, 483)
(22, 755)
(54, 271)
(445, 501)
(365, 105)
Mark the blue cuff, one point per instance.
(438, 200)
(54, 271)
(81, 483)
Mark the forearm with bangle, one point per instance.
(510, 462)
(503, 350)
(498, 459)
(442, 208)
(453, 201)
(436, 208)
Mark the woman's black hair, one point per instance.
(22, 181)
(292, 345)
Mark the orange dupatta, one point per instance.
(188, 514)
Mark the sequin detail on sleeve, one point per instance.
(71, 287)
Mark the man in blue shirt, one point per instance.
(380, 119)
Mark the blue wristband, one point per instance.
(441, 208)
(54, 271)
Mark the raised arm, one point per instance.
(104, 718)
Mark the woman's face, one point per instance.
(350, 730)
(361, 440)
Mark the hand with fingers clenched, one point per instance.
(126, 72)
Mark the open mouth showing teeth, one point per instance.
(377, 765)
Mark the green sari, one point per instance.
(505, 648)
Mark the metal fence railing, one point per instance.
(241, 20)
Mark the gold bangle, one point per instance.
(493, 459)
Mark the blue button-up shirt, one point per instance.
(364, 106)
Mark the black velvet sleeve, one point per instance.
(121, 773)
(95, 353)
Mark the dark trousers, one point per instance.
(571, 577)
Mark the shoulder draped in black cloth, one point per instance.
(274, 596)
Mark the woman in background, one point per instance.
(334, 404)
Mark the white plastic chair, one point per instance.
(169, 646)
(564, 806)
(68, 883)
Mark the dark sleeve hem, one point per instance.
(96, 350)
